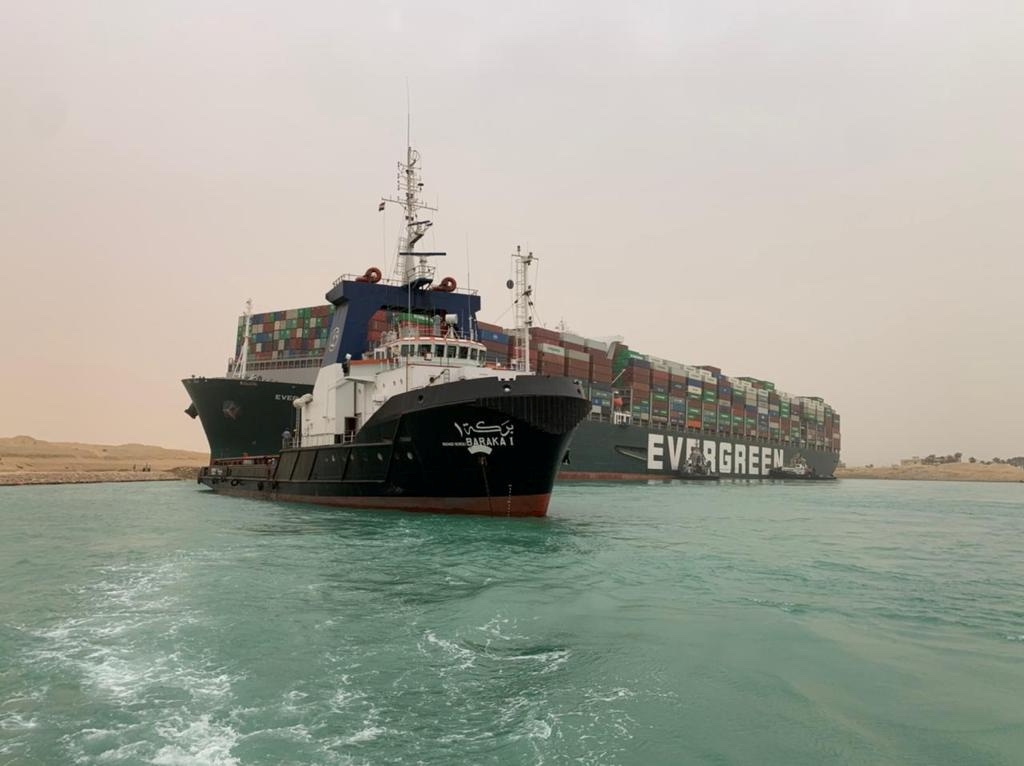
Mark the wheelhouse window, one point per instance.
(463, 352)
(452, 351)
(439, 351)
(424, 349)
(406, 349)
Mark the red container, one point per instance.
(640, 375)
(544, 336)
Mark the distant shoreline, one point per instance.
(25, 461)
(945, 472)
(30, 478)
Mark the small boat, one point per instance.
(797, 470)
(697, 467)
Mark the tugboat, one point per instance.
(697, 467)
(420, 422)
(797, 470)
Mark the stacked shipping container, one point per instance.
(654, 392)
(291, 336)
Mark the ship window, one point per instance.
(406, 349)
(424, 349)
(463, 352)
(453, 351)
(439, 351)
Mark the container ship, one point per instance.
(648, 416)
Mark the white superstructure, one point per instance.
(346, 395)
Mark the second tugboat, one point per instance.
(421, 422)
(697, 467)
(798, 470)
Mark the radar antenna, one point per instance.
(412, 267)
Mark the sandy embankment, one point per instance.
(947, 472)
(24, 460)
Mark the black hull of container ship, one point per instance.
(599, 451)
(243, 417)
(605, 451)
(485, 446)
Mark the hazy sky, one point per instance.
(825, 194)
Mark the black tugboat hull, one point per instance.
(775, 475)
(698, 477)
(485, 446)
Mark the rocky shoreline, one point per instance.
(23, 478)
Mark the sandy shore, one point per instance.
(948, 472)
(24, 460)
(20, 478)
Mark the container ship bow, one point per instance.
(411, 418)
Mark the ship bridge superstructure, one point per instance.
(347, 394)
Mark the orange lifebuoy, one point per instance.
(448, 284)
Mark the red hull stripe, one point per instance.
(614, 476)
(520, 505)
(610, 476)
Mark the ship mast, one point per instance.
(240, 366)
(412, 266)
(523, 303)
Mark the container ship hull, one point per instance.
(483, 447)
(247, 418)
(605, 451)
(646, 415)
(243, 417)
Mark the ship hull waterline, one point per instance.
(599, 450)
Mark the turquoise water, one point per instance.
(855, 623)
